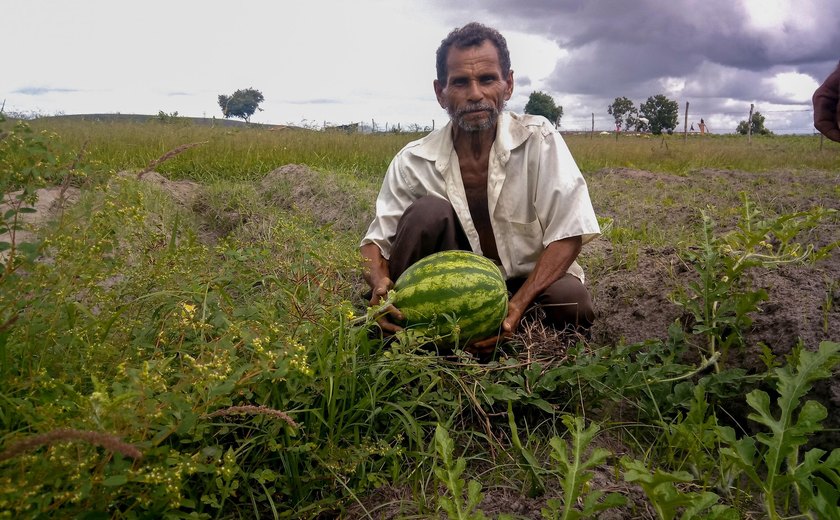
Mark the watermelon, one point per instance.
(452, 290)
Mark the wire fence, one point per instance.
(779, 121)
(782, 121)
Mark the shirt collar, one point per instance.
(437, 146)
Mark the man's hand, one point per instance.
(378, 278)
(825, 100)
(511, 321)
(379, 293)
(509, 325)
(552, 264)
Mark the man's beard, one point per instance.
(457, 116)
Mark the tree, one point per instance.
(241, 104)
(757, 126)
(624, 112)
(662, 113)
(541, 104)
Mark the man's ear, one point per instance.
(509, 91)
(439, 94)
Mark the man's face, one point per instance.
(475, 90)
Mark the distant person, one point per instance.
(702, 126)
(826, 107)
(500, 184)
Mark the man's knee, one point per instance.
(427, 226)
(429, 209)
(568, 305)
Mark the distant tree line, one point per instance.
(656, 115)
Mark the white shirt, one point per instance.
(536, 193)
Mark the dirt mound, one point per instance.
(633, 301)
(329, 199)
(183, 192)
(634, 305)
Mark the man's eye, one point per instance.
(459, 82)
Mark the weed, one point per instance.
(574, 467)
(457, 505)
(663, 489)
(778, 469)
(720, 301)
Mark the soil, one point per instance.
(633, 297)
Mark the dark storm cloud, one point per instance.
(714, 30)
(634, 48)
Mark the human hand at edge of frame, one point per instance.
(509, 325)
(378, 293)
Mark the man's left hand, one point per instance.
(509, 325)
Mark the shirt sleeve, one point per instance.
(395, 195)
(562, 197)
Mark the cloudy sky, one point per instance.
(342, 61)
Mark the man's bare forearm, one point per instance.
(552, 265)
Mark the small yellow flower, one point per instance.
(189, 309)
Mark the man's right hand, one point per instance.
(380, 292)
(377, 277)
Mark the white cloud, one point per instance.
(796, 87)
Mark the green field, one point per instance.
(190, 342)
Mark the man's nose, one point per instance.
(474, 92)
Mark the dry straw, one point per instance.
(168, 155)
(250, 409)
(106, 440)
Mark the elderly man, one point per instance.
(496, 183)
(827, 108)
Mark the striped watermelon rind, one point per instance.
(459, 296)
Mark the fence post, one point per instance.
(593, 125)
(749, 125)
(685, 124)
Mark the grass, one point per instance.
(224, 338)
(246, 153)
(240, 153)
(727, 152)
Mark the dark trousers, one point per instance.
(430, 225)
